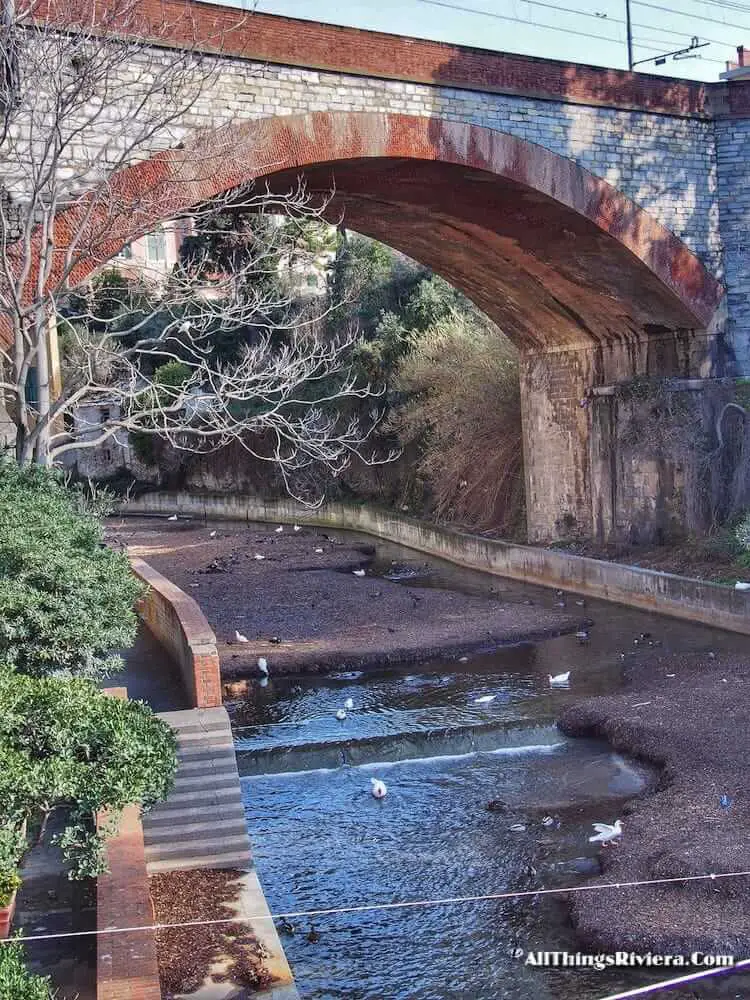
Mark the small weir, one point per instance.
(470, 781)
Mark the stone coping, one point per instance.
(663, 593)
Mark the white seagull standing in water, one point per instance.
(263, 665)
(378, 788)
(172, 518)
(349, 704)
(559, 680)
(606, 833)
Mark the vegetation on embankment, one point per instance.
(65, 602)
(449, 381)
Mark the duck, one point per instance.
(312, 935)
(239, 637)
(349, 704)
(263, 665)
(559, 680)
(341, 714)
(286, 927)
(606, 833)
(378, 788)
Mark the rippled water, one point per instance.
(320, 840)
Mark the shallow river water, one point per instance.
(321, 841)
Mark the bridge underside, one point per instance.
(582, 309)
(548, 276)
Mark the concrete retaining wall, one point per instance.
(181, 627)
(665, 593)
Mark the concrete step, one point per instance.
(198, 847)
(223, 760)
(214, 800)
(170, 832)
(224, 860)
(213, 781)
(230, 812)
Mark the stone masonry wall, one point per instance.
(665, 163)
(732, 138)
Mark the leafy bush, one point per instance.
(462, 417)
(10, 881)
(65, 744)
(16, 982)
(742, 533)
(65, 600)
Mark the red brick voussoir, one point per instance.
(220, 160)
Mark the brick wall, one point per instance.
(180, 626)
(127, 968)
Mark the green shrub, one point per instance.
(65, 744)
(16, 982)
(10, 881)
(742, 533)
(66, 601)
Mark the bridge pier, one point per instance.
(615, 438)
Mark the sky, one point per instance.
(550, 27)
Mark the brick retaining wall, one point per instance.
(126, 965)
(178, 623)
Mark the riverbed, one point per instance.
(472, 783)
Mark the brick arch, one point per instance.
(553, 253)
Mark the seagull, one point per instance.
(548, 821)
(239, 637)
(378, 788)
(349, 704)
(463, 659)
(741, 585)
(258, 556)
(485, 699)
(297, 528)
(341, 714)
(358, 572)
(174, 518)
(319, 551)
(606, 833)
(263, 665)
(212, 534)
(517, 828)
(559, 680)
(279, 529)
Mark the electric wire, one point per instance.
(641, 43)
(410, 904)
(644, 991)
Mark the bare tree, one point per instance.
(87, 107)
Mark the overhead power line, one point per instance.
(696, 17)
(647, 44)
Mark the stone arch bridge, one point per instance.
(597, 216)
